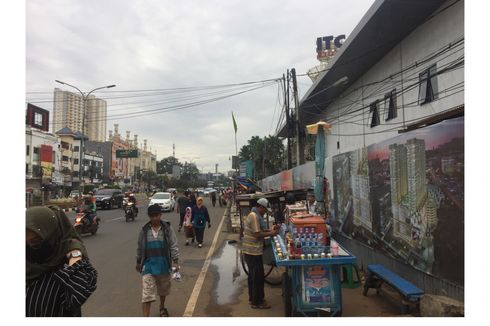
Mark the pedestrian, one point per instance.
(59, 276)
(188, 229)
(311, 203)
(253, 246)
(192, 198)
(157, 253)
(213, 198)
(182, 203)
(200, 216)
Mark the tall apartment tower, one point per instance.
(417, 185)
(68, 112)
(96, 119)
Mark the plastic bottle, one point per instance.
(334, 248)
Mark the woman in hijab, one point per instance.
(59, 276)
(188, 229)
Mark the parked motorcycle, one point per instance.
(86, 222)
(130, 211)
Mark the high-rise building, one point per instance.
(96, 119)
(68, 112)
(417, 185)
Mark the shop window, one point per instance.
(390, 105)
(374, 114)
(428, 85)
(75, 148)
(75, 161)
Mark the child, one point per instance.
(188, 229)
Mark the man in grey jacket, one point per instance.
(157, 252)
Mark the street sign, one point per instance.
(126, 153)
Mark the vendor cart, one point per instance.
(312, 287)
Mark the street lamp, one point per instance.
(84, 108)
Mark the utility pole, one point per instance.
(288, 127)
(300, 155)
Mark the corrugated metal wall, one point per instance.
(430, 284)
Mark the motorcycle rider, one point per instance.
(132, 199)
(89, 207)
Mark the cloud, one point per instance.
(157, 44)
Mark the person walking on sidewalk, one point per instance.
(157, 252)
(200, 216)
(182, 203)
(253, 247)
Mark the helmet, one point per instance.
(153, 209)
(264, 203)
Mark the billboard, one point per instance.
(405, 197)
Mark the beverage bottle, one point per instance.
(334, 248)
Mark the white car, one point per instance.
(208, 191)
(164, 199)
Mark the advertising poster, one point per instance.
(304, 176)
(287, 180)
(405, 197)
(316, 285)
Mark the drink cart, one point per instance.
(311, 283)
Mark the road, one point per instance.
(213, 285)
(112, 252)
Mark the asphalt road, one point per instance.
(219, 290)
(112, 251)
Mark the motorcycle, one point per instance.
(129, 211)
(83, 224)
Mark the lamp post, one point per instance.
(82, 141)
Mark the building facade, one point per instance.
(405, 84)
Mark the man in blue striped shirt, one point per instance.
(157, 251)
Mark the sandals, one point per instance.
(164, 312)
(262, 305)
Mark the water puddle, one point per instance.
(229, 273)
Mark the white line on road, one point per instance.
(191, 304)
(114, 219)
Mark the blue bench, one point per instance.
(378, 274)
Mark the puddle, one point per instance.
(229, 273)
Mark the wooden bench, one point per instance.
(378, 274)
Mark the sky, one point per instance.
(154, 45)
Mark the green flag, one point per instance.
(234, 122)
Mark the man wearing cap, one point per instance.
(157, 252)
(312, 204)
(253, 246)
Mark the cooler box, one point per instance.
(315, 222)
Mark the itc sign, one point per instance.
(326, 46)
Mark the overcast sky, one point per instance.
(142, 45)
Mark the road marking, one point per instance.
(191, 304)
(114, 219)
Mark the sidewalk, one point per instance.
(226, 292)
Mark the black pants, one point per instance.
(255, 278)
(182, 215)
(199, 234)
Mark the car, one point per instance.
(208, 191)
(109, 198)
(74, 193)
(164, 200)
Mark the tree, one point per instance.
(266, 153)
(166, 165)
